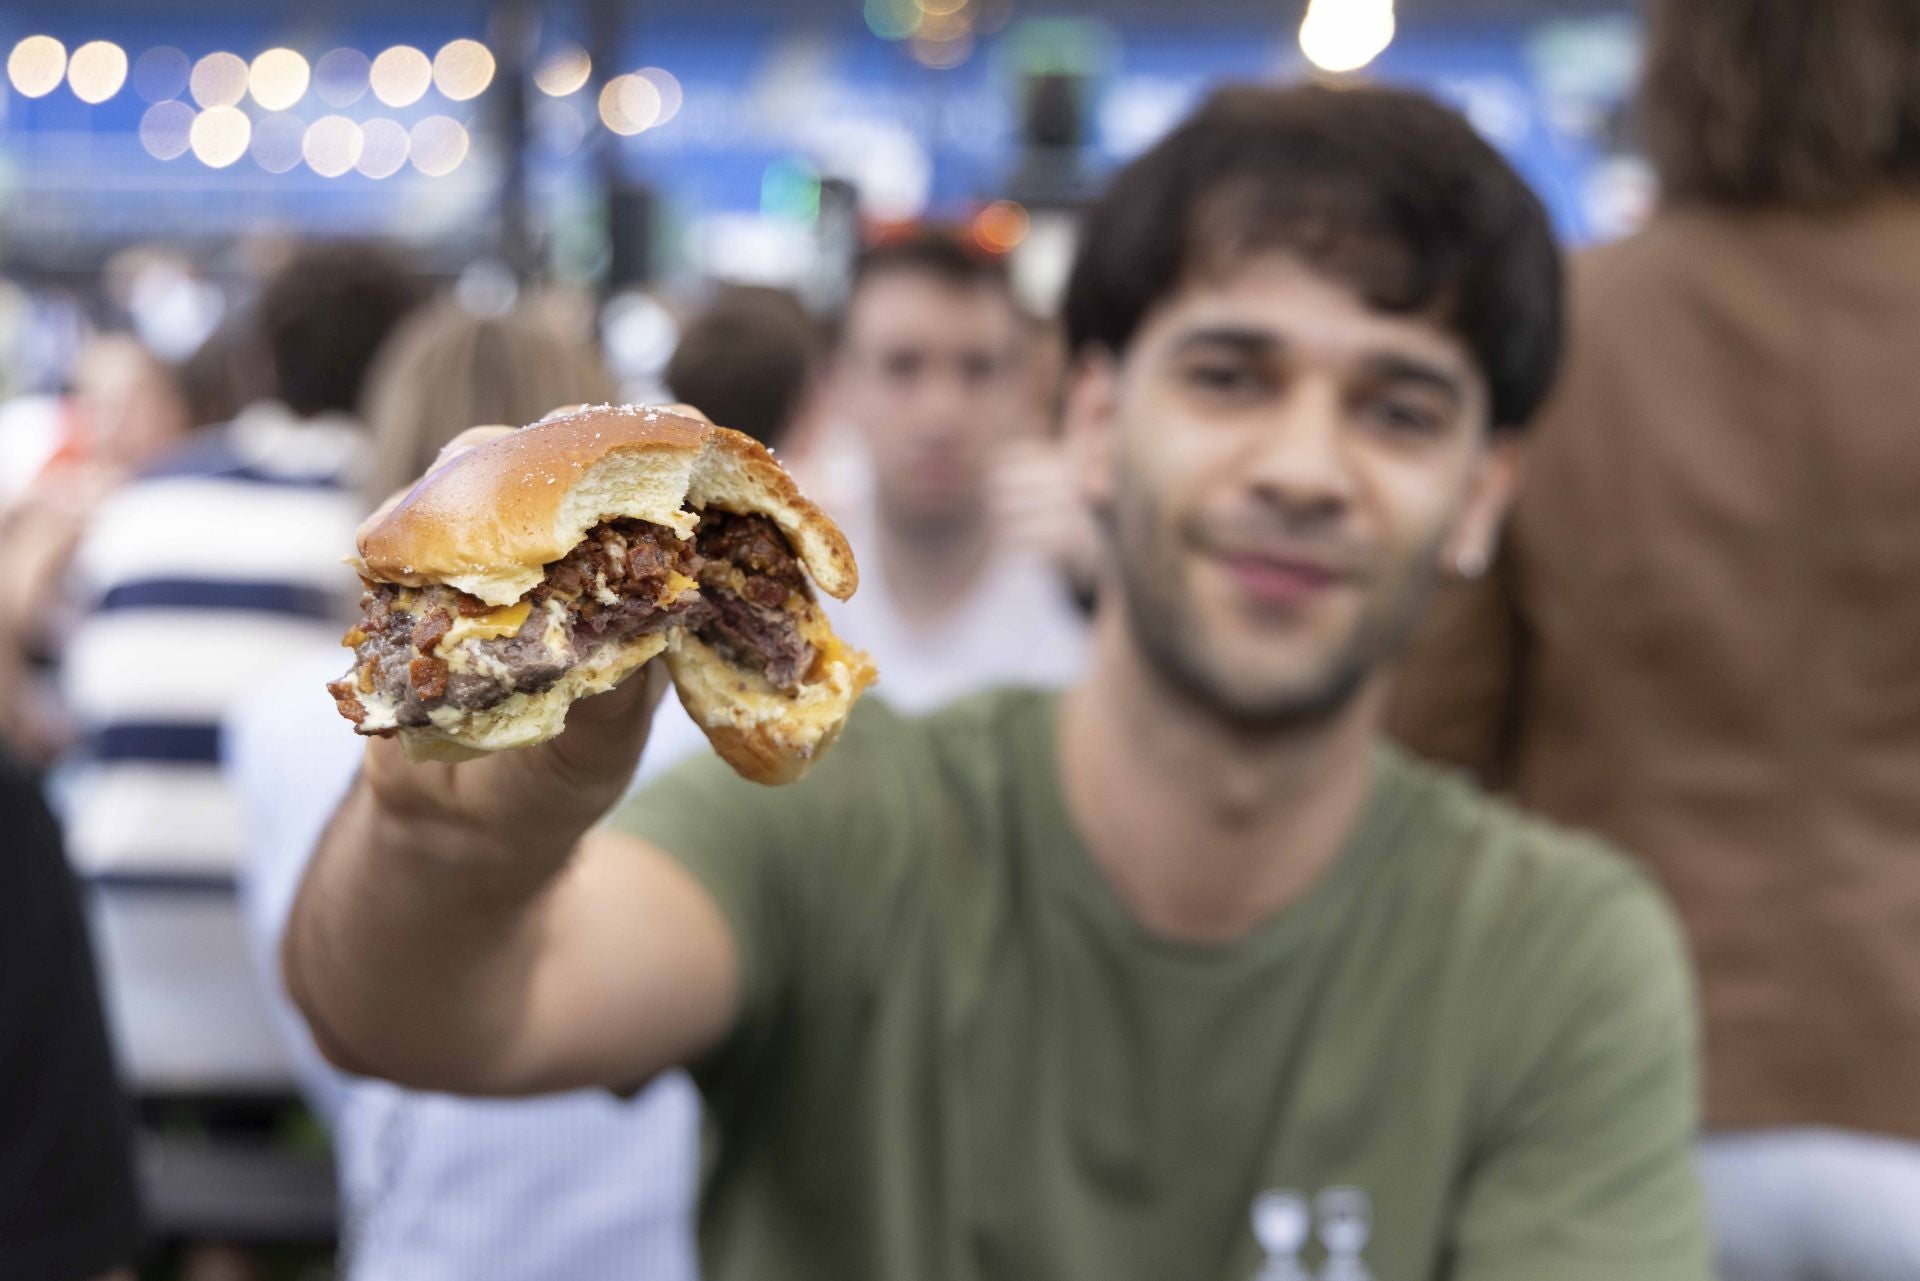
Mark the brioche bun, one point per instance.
(487, 522)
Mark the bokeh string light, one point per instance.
(938, 33)
(219, 136)
(563, 71)
(667, 86)
(278, 78)
(161, 73)
(165, 129)
(332, 146)
(219, 80)
(341, 77)
(629, 104)
(36, 66)
(384, 146)
(438, 144)
(400, 75)
(462, 69)
(97, 70)
(276, 142)
(1001, 226)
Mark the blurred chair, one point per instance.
(1700, 636)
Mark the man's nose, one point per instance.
(1299, 460)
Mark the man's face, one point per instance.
(1283, 470)
(925, 374)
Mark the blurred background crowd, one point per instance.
(258, 263)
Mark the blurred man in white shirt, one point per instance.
(926, 376)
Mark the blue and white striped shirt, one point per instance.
(198, 580)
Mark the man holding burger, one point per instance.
(1183, 973)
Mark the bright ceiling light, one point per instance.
(1345, 35)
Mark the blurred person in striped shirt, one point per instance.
(578, 1185)
(199, 577)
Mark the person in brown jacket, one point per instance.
(1701, 636)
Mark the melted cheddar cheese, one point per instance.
(504, 621)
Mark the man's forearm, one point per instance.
(413, 943)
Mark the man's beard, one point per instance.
(1155, 591)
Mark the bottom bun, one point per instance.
(767, 734)
(526, 719)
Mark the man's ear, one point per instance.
(1092, 402)
(1490, 492)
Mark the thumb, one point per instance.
(606, 733)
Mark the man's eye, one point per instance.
(1223, 380)
(975, 370)
(901, 365)
(1405, 418)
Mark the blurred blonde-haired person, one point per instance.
(1699, 637)
(434, 1187)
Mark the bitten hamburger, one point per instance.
(551, 563)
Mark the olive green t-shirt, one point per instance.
(1468, 1051)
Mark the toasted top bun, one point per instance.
(488, 521)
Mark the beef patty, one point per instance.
(607, 590)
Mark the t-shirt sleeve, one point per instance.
(791, 869)
(67, 1202)
(1586, 1168)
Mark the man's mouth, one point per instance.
(1280, 576)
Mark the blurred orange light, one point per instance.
(37, 65)
(941, 55)
(941, 8)
(1001, 226)
(945, 26)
